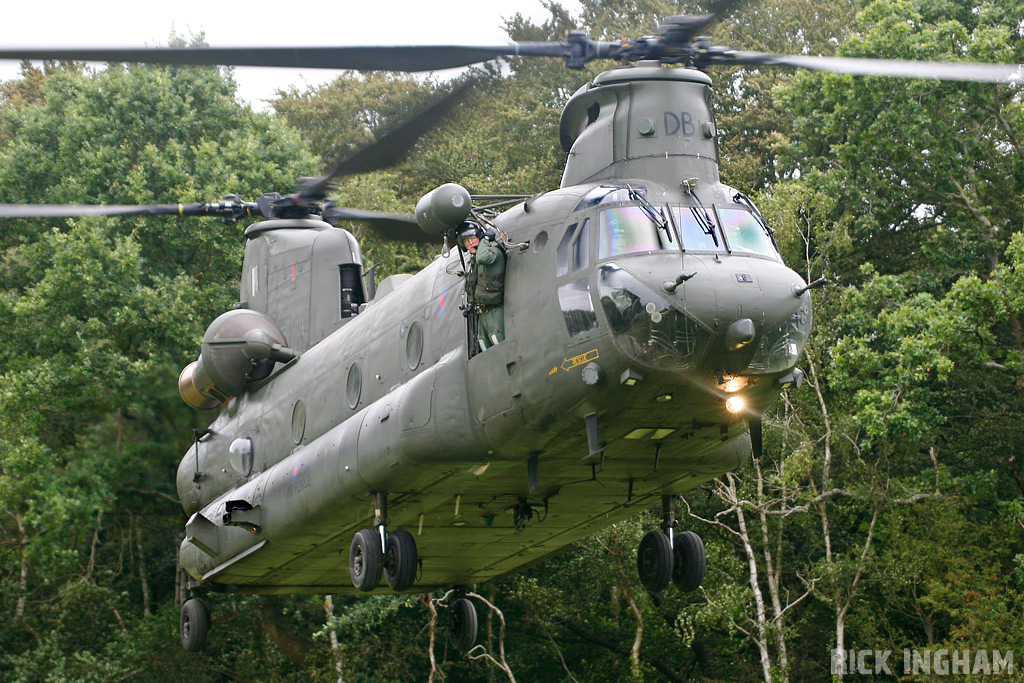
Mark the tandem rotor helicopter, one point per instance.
(648, 322)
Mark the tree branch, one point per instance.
(606, 642)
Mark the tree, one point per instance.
(100, 315)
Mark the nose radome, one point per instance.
(739, 333)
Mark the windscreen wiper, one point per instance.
(743, 199)
(699, 212)
(656, 216)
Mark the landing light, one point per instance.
(735, 404)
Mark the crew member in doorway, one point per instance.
(485, 282)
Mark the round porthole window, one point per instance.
(298, 421)
(414, 346)
(354, 386)
(539, 242)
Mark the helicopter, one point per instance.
(649, 321)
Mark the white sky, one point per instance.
(130, 23)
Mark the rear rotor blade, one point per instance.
(73, 210)
(231, 208)
(389, 149)
(857, 66)
(363, 58)
(376, 218)
(398, 227)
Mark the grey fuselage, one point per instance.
(486, 460)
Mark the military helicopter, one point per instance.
(649, 321)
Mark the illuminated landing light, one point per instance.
(663, 398)
(735, 404)
(732, 386)
(638, 433)
(459, 522)
(661, 434)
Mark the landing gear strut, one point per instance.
(663, 556)
(195, 624)
(374, 551)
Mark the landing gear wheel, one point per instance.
(462, 624)
(400, 560)
(195, 624)
(365, 560)
(654, 561)
(690, 561)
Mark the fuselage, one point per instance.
(634, 310)
(465, 447)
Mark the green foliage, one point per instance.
(100, 314)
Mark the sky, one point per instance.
(130, 23)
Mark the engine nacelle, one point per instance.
(442, 208)
(239, 347)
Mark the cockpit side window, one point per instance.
(628, 229)
(743, 233)
(562, 254)
(581, 247)
(577, 307)
(574, 250)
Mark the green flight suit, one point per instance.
(486, 287)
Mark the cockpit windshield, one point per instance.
(698, 230)
(744, 234)
(629, 229)
(633, 229)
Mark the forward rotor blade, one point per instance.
(686, 28)
(363, 58)
(721, 9)
(392, 226)
(389, 149)
(857, 66)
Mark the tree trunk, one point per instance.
(295, 648)
(20, 605)
(773, 573)
(335, 648)
(762, 636)
(142, 570)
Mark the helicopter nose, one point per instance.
(758, 320)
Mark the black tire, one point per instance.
(195, 624)
(654, 561)
(462, 624)
(400, 561)
(365, 560)
(691, 561)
